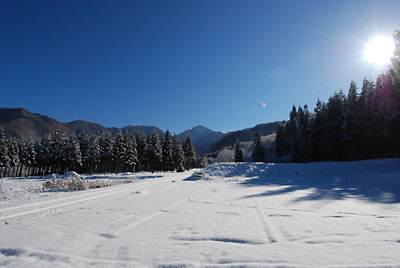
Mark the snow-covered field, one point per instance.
(328, 214)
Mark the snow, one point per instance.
(327, 214)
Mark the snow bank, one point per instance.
(71, 175)
(373, 180)
(304, 170)
(369, 172)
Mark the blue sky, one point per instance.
(177, 64)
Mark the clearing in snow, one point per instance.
(327, 214)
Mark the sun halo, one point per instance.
(379, 50)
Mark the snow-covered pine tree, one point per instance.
(106, 152)
(57, 148)
(238, 152)
(13, 155)
(178, 155)
(44, 158)
(119, 151)
(27, 158)
(189, 153)
(141, 145)
(167, 152)
(31, 157)
(154, 152)
(4, 158)
(84, 145)
(131, 155)
(258, 149)
(23, 157)
(93, 155)
(72, 157)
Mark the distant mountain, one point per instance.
(142, 129)
(203, 138)
(243, 135)
(80, 126)
(22, 124)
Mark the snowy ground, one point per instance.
(238, 215)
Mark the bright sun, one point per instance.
(379, 50)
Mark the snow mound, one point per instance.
(71, 175)
(235, 169)
(51, 176)
(359, 169)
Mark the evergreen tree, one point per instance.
(258, 149)
(72, 157)
(178, 155)
(119, 151)
(13, 155)
(23, 156)
(364, 111)
(131, 155)
(304, 121)
(295, 139)
(238, 152)
(351, 122)
(154, 151)
(27, 156)
(93, 156)
(141, 145)
(167, 152)
(335, 120)
(44, 158)
(84, 145)
(318, 132)
(189, 153)
(282, 146)
(4, 158)
(57, 147)
(106, 152)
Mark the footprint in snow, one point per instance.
(279, 215)
(107, 235)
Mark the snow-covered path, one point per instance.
(172, 221)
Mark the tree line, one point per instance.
(122, 152)
(359, 125)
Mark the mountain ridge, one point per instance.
(202, 137)
(25, 125)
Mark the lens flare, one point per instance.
(379, 50)
(264, 104)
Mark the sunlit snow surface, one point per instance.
(230, 215)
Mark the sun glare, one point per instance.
(379, 50)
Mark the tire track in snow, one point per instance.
(272, 234)
(121, 219)
(158, 213)
(75, 196)
(63, 257)
(94, 197)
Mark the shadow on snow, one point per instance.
(371, 180)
